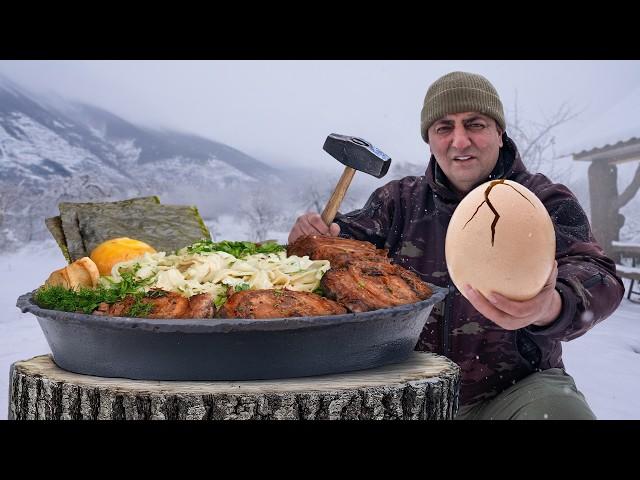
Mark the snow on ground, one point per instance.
(605, 362)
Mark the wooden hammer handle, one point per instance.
(338, 194)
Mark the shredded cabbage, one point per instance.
(214, 272)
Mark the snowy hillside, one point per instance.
(40, 140)
(52, 151)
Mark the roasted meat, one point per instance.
(369, 285)
(277, 304)
(339, 251)
(201, 306)
(165, 305)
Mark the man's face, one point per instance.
(466, 147)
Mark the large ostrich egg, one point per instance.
(501, 239)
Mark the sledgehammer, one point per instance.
(355, 154)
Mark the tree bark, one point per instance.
(425, 387)
(630, 191)
(606, 220)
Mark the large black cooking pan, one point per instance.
(231, 349)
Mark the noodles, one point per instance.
(214, 272)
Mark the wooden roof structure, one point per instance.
(605, 200)
(621, 152)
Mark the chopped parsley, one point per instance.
(237, 249)
(220, 301)
(140, 308)
(86, 300)
(242, 287)
(156, 293)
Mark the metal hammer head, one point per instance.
(358, 154)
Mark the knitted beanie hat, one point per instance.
(458, 92)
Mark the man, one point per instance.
(509, 352)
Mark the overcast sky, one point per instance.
(282, 111)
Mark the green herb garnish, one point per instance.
(237, 249)
(140, 308)
(220, 301)
(86, 300)
(128, 285)
(242, 287)
(156, 294)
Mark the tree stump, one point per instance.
(425, 387)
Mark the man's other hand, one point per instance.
(312, 224)
(541, 310)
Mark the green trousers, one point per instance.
(550, 394)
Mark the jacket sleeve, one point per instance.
(587, 280)
(372, 222)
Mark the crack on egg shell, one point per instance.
(495, 212)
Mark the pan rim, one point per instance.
(26, 304)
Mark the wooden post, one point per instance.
(424, 387)
(606, 220)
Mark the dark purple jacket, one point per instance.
(410, 218)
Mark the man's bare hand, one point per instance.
(541, 310)
(312, 224)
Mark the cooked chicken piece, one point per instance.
(171, 305)
(338, 251)
(103, 309)
(277, 304)
(201, 306)
(165, 305)
(118, 309)
(368, 285)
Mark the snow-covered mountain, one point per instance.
(41, 141)
(54, 150)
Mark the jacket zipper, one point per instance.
(447, 320)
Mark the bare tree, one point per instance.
(263, 211)
(314, 197)
(631, 231)
(536, 140)
(629, 192)
(313, 194)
